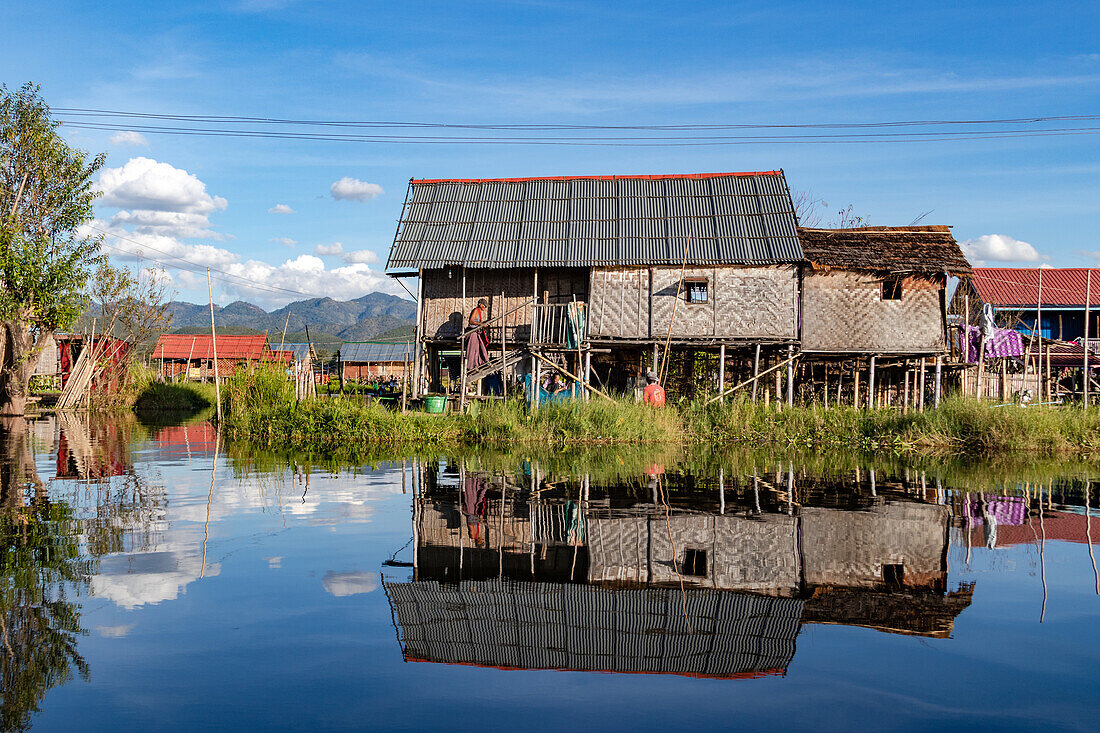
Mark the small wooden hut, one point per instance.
(191, 356)
(363, 360)
(878, 290)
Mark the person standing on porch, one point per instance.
(477, 338)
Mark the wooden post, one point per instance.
(855, 385)
(790, 377)
(1004, 379)
(825, 387)
(587, 373)
(1050, 382)
(721, 369)
(405, 381)
(981, 369)
(920, 401)
(966, 329)
(1085, 366)
(503, 349)
(871, 385)
(536, 381)
(939, 381)
(418, 336)
(1038, 333)
(755, 372)
(839, 382)
(214, 346)
(653, 367)
(905, 397)
(462, 366)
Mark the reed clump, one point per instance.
(259, 405)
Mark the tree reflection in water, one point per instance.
(42, 571)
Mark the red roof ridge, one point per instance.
(659, 177)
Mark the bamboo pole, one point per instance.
(1037, 334)
(1085, 366)
(939, 381)
(755, 371)
(790, 377)
(721, 368)
(214, 347)
(753, 380)
(871, 384)
(923, 369)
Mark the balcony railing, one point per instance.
(559, 324)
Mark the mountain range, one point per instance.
(349, 320)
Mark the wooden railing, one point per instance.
(559, 324)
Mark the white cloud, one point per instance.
(352, 189)
(336, 249)
(168, 223)
(329, 250)
(157, 247)
(998, 248)
(114, 632)
(305, 274)
(281, 209)
(360, 255)
(349, 584)
(285, 241)
(145, 184)
(128, 137)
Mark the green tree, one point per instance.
(46, 254)
(40, 567)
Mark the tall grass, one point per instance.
(260, 406)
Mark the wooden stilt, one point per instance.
(721, 369)
(755, 372)
(871, 385)
(939, 381)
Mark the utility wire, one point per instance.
(89, 112)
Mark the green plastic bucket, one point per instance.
(436, 403)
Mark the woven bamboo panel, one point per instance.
(744, 303)
(851, 548)
(844, 311)
(619, 303)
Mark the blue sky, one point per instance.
(208, 199)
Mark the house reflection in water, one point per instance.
(519, 572)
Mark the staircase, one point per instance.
(495, 364)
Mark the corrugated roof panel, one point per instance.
(374, 352)
(597, 221)
(1009, 286)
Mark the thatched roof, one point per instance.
(927, 250)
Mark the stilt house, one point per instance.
(619, 266)
(878, 290)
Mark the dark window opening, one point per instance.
(696, 290)
(893, 575)
(695, 562)
(891, 289)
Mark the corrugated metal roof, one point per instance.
(200, 346)
(375, 352)
(300, 351)
(736, 218)
(566, 626)
(1019, 286)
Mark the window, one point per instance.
(695, 563)
(893, 575)
(891, 288)
(696, 289)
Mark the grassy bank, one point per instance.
(260, 407)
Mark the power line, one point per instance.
(90, 112)
(1019, 128)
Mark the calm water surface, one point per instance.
(156, 579)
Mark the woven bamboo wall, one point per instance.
(851, 548)
(443, 308)
(760, 555)
(743, 303)
(619, 306)
(844, 311)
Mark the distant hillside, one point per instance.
(329, 320)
